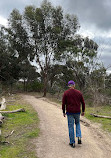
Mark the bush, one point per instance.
(35, 86)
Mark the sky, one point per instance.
(94, 17)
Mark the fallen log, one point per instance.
(1, 118)
(3, 104)
(14, 111)
(101, 116)
(9, 134)
(4, 142)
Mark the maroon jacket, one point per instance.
(73, 99)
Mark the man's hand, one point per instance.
(64, 114)
(82, 114)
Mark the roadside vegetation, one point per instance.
(25, 126)
(100, 110)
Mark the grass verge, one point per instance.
(101, 110)
(25, 126)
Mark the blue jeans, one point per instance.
(71, 119)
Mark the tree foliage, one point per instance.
(48, 27)
(9, 70)
(46, 36)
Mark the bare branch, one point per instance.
(100, 116)
(14, 111)
(9, 134)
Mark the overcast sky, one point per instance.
(94, 17)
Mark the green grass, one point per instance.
(101, 110)
(25, 126)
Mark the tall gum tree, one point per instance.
(48, 28)
(9, 70)
(80, 54)
(19, 45)
(47, 36)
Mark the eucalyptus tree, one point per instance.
(80, 58)
(20, 46)
(59, 75)
(48, 36)
(107, 83)
(9, 71)
(3, 54)
(18, 36)
(48, 28)
(28, 73)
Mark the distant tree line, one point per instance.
(49, 38)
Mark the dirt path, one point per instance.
(53, 140)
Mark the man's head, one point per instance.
(71, 84)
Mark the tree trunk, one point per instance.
(24, 85)
(45, 91)
(11, 88)
(45, 85)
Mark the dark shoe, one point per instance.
(72, 145)
(79, 140)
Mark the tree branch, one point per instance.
(14, 111)
(100, 116)
(9, 134)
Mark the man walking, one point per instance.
(71, 102)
